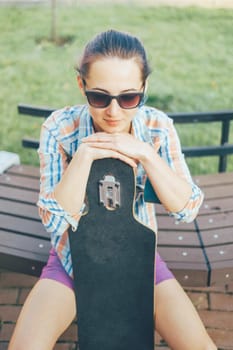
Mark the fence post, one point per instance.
(224, 139)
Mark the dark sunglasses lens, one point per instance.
(98, 100)
(129, 100)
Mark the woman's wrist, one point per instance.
(83, 155)
(148, 153)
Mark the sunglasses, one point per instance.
(103, 100)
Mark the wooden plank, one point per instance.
(18, 195)
(22, 262)
(23, 253)
(30, 143)
(217, 237)
(212, 206)
(178, 239)
(214, 221)
(168, 223)
(183, 255)
(25, 170)
(19, 209)
(201, 117)
(208, 151)
(19, 181)
(35, 111)
(214, 179)
(191, 277)
(188, 265)
(222, 253)
(221, 272)
(220, 191)
(160, 211)
(35, 245)
(22, 226)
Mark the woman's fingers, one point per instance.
(123, 143)
(106, 153)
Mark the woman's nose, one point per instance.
(114, 108)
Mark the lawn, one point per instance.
(190, 51)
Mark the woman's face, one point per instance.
(113, 76)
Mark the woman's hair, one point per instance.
(113, 43)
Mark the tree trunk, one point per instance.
(54, 21)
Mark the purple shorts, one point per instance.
(55, 271)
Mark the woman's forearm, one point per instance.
(70, 191)
(172, 190)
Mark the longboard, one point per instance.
(113, 258)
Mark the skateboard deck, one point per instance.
(113, 262)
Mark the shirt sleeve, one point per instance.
(53, 162)
(171, 151)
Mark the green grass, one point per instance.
(190, 51)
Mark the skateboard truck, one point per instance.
(109, 192)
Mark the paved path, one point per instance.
(178, 3)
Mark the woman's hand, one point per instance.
(96, 150)
(122, 146)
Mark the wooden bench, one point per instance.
(199, 253)
(24, 242)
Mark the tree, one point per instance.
(54, 37)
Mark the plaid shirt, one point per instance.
(61, 136)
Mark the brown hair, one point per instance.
(113, 43)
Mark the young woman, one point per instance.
(113, 76)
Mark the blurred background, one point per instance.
(190, 49)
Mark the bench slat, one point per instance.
(218, 192)
(36, 246)
(222, 272)
(195, 276)
(18, 195)
(188, 264)
(223, 254)
(216, 237)
(19, 209)
(212, 179)
(21, 262)
(183, 254)
(23, 227)
(168, 223)
(25, 170)
(178, 239)
(23, 253)
(30, 143)
(214, 221)
(213, 206)
(204, 151)
(43, 112)
(19, 182)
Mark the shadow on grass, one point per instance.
(58, 41)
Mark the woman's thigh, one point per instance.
(47, 312)
(177, 320)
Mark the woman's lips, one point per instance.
(112, 122)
